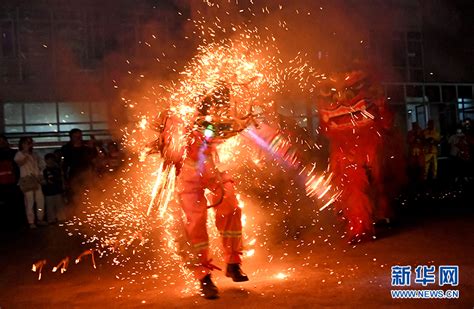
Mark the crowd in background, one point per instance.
(424, 148)
(44, 189)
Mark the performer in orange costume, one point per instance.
(355, 119)
(192, 149)
(213, 123)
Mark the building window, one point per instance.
(407, 55)
(55, 118)
(395, 94)
(433, 94)
(73, 112)
(448, 93)
(40, 113)
(415, 56)
(13, 114)
(399, 54)
(465, 103)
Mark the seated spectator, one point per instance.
(53, 190)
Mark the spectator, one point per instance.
(469, 132)
(431, 139)
(53, 190)
(77, 162)
(9, 174)
(58, 155)
(100, 157)
(459, 153)
(114, 157)
(30, 181)
(416, 159)
(467, 125)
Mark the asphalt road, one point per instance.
(308, 271)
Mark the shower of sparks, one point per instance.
(163, 188)
(281, 276)
(134, 219)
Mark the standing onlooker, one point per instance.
(10, 196)
(78, 161)
(469, 132)
(58, 157)
(416, 159)
(114, 157)
(30, 181)
(99, 155)
(53, 189)
(431, 139)
(459, 153)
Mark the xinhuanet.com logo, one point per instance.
(447, 275)
(425, 294)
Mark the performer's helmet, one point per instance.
(218, 99)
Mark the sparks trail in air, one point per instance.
(134, 221)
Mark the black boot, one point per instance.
(235, 272)
(208, 288)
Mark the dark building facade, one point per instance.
(57, 59)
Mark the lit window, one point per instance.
(73, 112)
(13, 113)
(43, 118)
(44, 113)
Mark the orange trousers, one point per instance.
(191, 184)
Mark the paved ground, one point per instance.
(323, 273)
